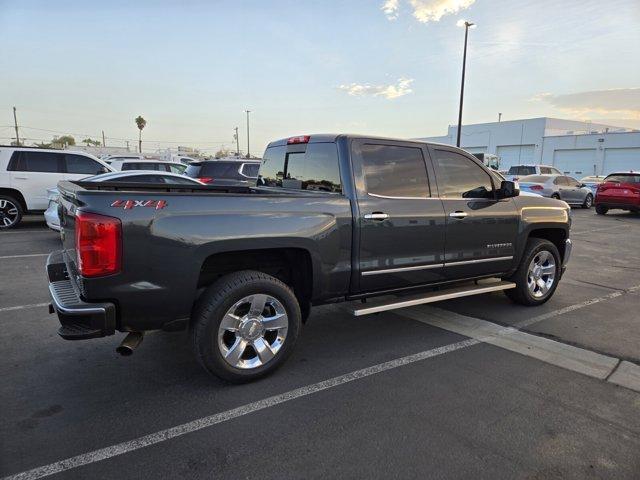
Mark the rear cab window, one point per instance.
(306, 166)
(522, 170)
(215, 170)
(624, 178)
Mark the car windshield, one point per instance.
(624, 178)
(522, 170)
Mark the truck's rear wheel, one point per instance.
(538, 273)
(245, 326)
(10, 212)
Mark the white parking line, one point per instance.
(555, 353)
(24, 256)
(199, 424)
(22, 307)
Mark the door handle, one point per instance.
(20, 178)
(376, 216)
(458, 214)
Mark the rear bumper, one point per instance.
(79, 320)
(635, 206)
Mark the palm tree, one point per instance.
(141, 123)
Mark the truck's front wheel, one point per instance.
(538, 273)
(245, 326)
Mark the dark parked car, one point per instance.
(224, 172)
(333, 218)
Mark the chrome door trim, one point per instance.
(376, 216)
(401, 198)
(403, 269)
(478, 260)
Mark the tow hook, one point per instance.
(130, 343)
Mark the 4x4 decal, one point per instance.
(129, 204)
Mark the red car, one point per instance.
(619, 190)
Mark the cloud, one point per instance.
(390, 9)
(426, 10)
(619, 101)
(401, 88)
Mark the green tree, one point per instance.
(89, 141)
(64, 141)
(141, 123)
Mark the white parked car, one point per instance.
(134, 176)
(516, 172)
(146, 164)
(26, 174)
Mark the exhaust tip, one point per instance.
(130, 343)
(125, 351)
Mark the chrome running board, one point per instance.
(437, 296)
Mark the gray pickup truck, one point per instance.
(333, 218)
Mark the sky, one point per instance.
(380, 67)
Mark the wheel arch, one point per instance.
(12, 192)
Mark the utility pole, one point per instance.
(235, 136)
(248, 152)
(103, 142)
(127, 145)
(464, 66)
(499, 117)
(15, 122)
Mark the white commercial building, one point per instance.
(576, 148)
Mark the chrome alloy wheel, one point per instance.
(253, 331)
(8, 213)
(541, 274)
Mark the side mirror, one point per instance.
(508, 189)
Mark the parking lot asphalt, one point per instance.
(376, 396)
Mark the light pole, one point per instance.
(248, 152)
(467, 25)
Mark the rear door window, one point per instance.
(81, 164)
(33, 161)
(522, 170)
(394, 171)
(250, 170)
(312, 166)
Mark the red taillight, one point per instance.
(205, 179)
(536, 187)
(299, 139)
(98, 244)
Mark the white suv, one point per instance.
(26, 174)
(519, 171)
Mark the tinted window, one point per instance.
(545, 170)
(46, 162)
(572, 181)
(80, 164)
(141, 166)
(460, 177)
(394, 171)
(251, 169)
(312, 168)
(221, 170)
(561, 181)
(177, 168)
(618, 178)
(520, 170)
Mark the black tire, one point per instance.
(588, 201)
(213, 305)
(601, 210)
(556, 196)
(10, 220)
(521, 293)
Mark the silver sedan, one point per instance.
(558, 186)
